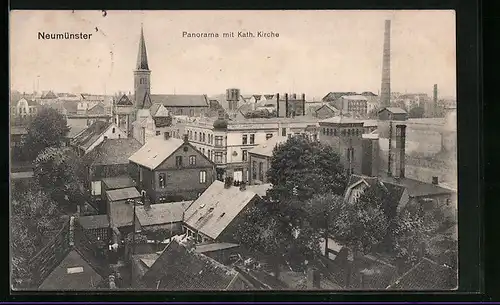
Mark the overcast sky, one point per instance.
(316, 52)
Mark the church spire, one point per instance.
(142, 57)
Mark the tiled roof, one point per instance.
(119, 182)
(124, 101)
(97, 109)
(179, 269)
(162, 213)
(155, 151)
(91, 134)
(210, 247)
(426, 275)
(336, 95)
(341, 120)
(395, 110)
(49, 95)
(123, 194)
(180, 100)
(417, 188)
(216, 208)
(113, 151)
(94, 221)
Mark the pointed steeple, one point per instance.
(142, 57)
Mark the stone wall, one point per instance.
(42, 264)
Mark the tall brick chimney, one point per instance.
(277, 105)
(385, 92)
(303, 104)
(435, 99)
(286, 105)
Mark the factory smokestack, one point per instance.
(385, 95)
(277, 105)
(435, 99)
(286, 105)
(303, 104)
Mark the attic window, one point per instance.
(221, 215)
(199, 219)
(155, 156)
(210, 210)
(74, 270)
(186, 148)
(202, 205)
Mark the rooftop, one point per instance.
(155, 151)
(123, 194)
(418, 188)
(113, 151)
(90, 135)
(394, 110)
(118, 182)
(341, 120)
(354, 97)
(210, 247)
(162, 213)
(216, 208)
(266, 148)
(177, 268)
(180, 100)
(94, 221)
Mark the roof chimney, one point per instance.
(313, 278)
(435, 180)
(186, 139)
(166, 135)
(277, 105)
(145, 201)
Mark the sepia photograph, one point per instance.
(278, 150)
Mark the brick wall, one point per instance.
(50, 256)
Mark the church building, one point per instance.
(146, 114)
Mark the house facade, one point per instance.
(94, 135)
(171, 169)
(356, 105)
(260, 160)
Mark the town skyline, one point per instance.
(209, 65)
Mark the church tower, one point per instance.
(142, 74)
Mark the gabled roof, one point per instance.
(269, 96)
(368, 93)
(336, 95)
(394, 110)
(161, 213)
(216, 208)
(332, 108)
(70, 106)
(124, 101)
(88, 137)
(257, 97)
(113, 151)
(427, 275)
(97, 109)
(123, 194)
(118, 182)
(266, 148)
(177, 268)
(155, 151)
(78, 265)
(154, 108)
(417, 188)
(48, 95)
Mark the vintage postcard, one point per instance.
(233, 150)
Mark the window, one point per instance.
(191, 112)
(204, 137)
(254, 170)
(289, 135)
(96, 188)
(192, 160)
(283, 132)
(244, 155)
(218, 157)
(209, 154)
(178, 161)
(261, 171)
(113, 131)
(244, 139)
(158, 132)
(218, 141)
(203, 150)
(161, 180)
(335, 132)
(343, 132)
(196, 136)
(252, 139)
(268, 136)
(203, 176)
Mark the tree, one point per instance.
(302, 168)
(416, 112)
(33, 216)
(323, 210)
(58, 171)
(47, 129)
(373, 114)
